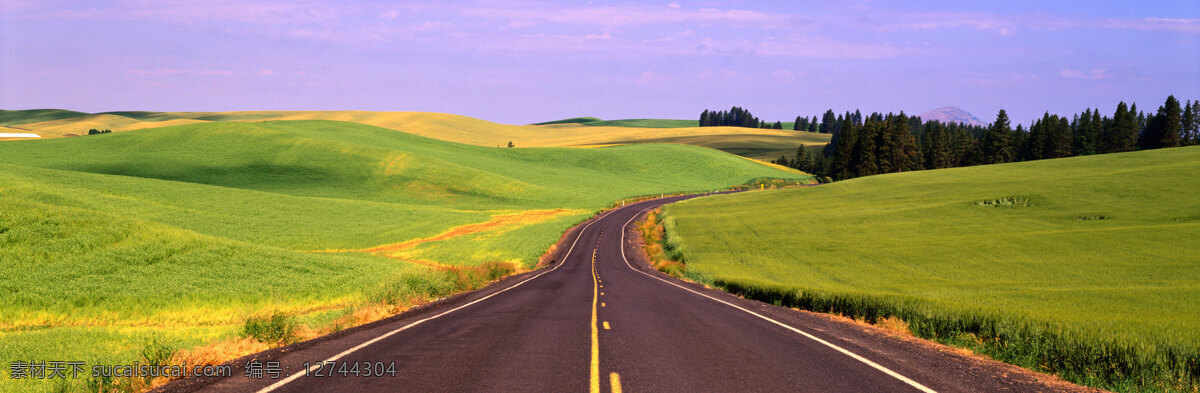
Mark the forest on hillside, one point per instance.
(884, 143)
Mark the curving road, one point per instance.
(600, 321)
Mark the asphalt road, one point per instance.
(601, 321)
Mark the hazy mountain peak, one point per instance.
(955, 114)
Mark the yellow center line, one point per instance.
(595, 375)
(601, 304)
(615, 380)
(606, 325)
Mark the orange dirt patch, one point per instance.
(497, 222)
(431, 264)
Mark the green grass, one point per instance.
(569, 121)
(645, 123)
(186, 232)
(18, 117)
(762, 144)
(639, 123)
(750, 144)
(1086, 267)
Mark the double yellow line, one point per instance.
(613, 379)
(595, 377)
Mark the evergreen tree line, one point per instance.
(735, 117)
(95, 131)
(896, 143)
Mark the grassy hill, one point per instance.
(573, 120)
(754, 143)
(18, 117)
(1088, 267)
(182, 233)
(640, 123)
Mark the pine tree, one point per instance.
(843, 144)
(865, 161)
(1121, 131)
(777, 126)
(1186, 122)
(1086, 131)
(1195, 130)
(801, 161)
(1020, 141)
(996, 142)
(704, 118)
(1172, 119)
(965, 150)
(938, 152)
(1190, 123)
(1037, 137)
(827, 122)
(1058, 140)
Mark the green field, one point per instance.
(1087, 267)
(639, 123)
(11, 117)
(184, 232)
(760, 144)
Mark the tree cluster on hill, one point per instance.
(735, 117)
(896, 143)
(804, 124)
(95, 131)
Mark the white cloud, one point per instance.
(1094, 74)
(648, 77)
(178, 71)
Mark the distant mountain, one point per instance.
(948, 114)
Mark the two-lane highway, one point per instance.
(601, 321)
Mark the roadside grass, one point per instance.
(1084, 267)
(189, 232)
(652, 232)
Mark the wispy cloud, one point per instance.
(1009, 24)
(178, 71)
(1177, 25)
(1094, 74)
(625, 15)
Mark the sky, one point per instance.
(521, 62)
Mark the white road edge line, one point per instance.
(853, 355)
(310, 369)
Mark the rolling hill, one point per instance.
(182, 233)
(1087, 267)
(759, 144)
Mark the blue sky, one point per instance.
(527, 61)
